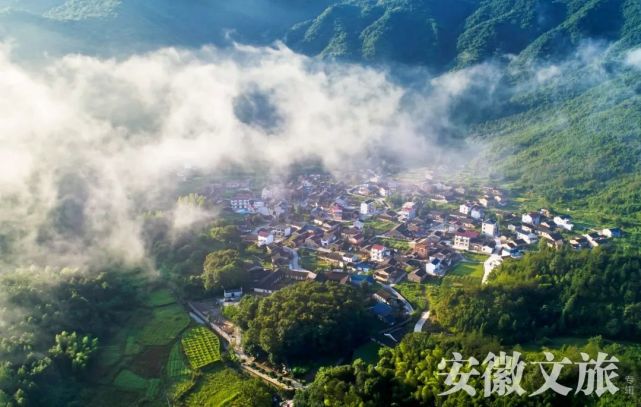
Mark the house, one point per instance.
(232, 295)
(579, 242)
(384, 297)
(389, 275)
(434, 267)
(417, 276)
(533, 218)
(595, 239)
(612, 232)
(336, 211)
(564, 221)
(328, 238)
(265, 237)
(282, 231)
(476, 212)
(484, 202)
(408, 211)
(360, 280)
(384, 312)
(422, 249)
(490, 228)
(367, 207)
(378, 252)
(241, 202)
(465, 208)
(527, 236)
(462, 239)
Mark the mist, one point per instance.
(88, 144)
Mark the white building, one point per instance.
(434, 267)
(465, 208)
(367, 207)
(490, 228)
(265, 238)
(564, 221)
(408, 211)
(533, 218)
(476, 212)
(378, 252)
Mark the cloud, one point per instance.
(87, 144)
(633, 58)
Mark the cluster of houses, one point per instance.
(360, 236)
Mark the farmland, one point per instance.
(201, 346)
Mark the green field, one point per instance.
(414, 293)
(164, 325)
(468, 272)
(379, 226)
(201, 346)
(216, 388)
(128, 380)
(160, 297)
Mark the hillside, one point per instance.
(448, 34)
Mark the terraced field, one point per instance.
(201, 346)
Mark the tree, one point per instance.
(73, 351)
(223, 269)
(305, 321)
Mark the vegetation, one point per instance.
(164, 325)
(222, 386)
(201, 346)
(550, 293)
(304, 321)
(407, 376)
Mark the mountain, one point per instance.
(456, 33)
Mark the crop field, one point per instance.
(201, 346)
(159, 298)
(128, 380)
(216, 388)
(164, 325)
(177, 368)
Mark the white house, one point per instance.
(490, 228)
(241, 202)
(378, 252)
(367, 207)
(462, 239)
(408, 211)
(564, 221)
(533, 218)
(476, 212)
(434, 267)
(265, 237)
(528, 237)
(465, 208)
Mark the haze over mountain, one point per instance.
(555, 67)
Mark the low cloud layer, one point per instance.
(86, 143)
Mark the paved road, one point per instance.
(419, 324)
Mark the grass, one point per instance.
(216, 388)
(397, 244)
(109, 355)
(468, 272)
(414, 293)
(201, 346)
(159, 298)
(367, 352)
(379, 226)
(177, 368)
(128, 380)
(164, 325)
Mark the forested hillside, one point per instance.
(448, 34)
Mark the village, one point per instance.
(377, 232)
